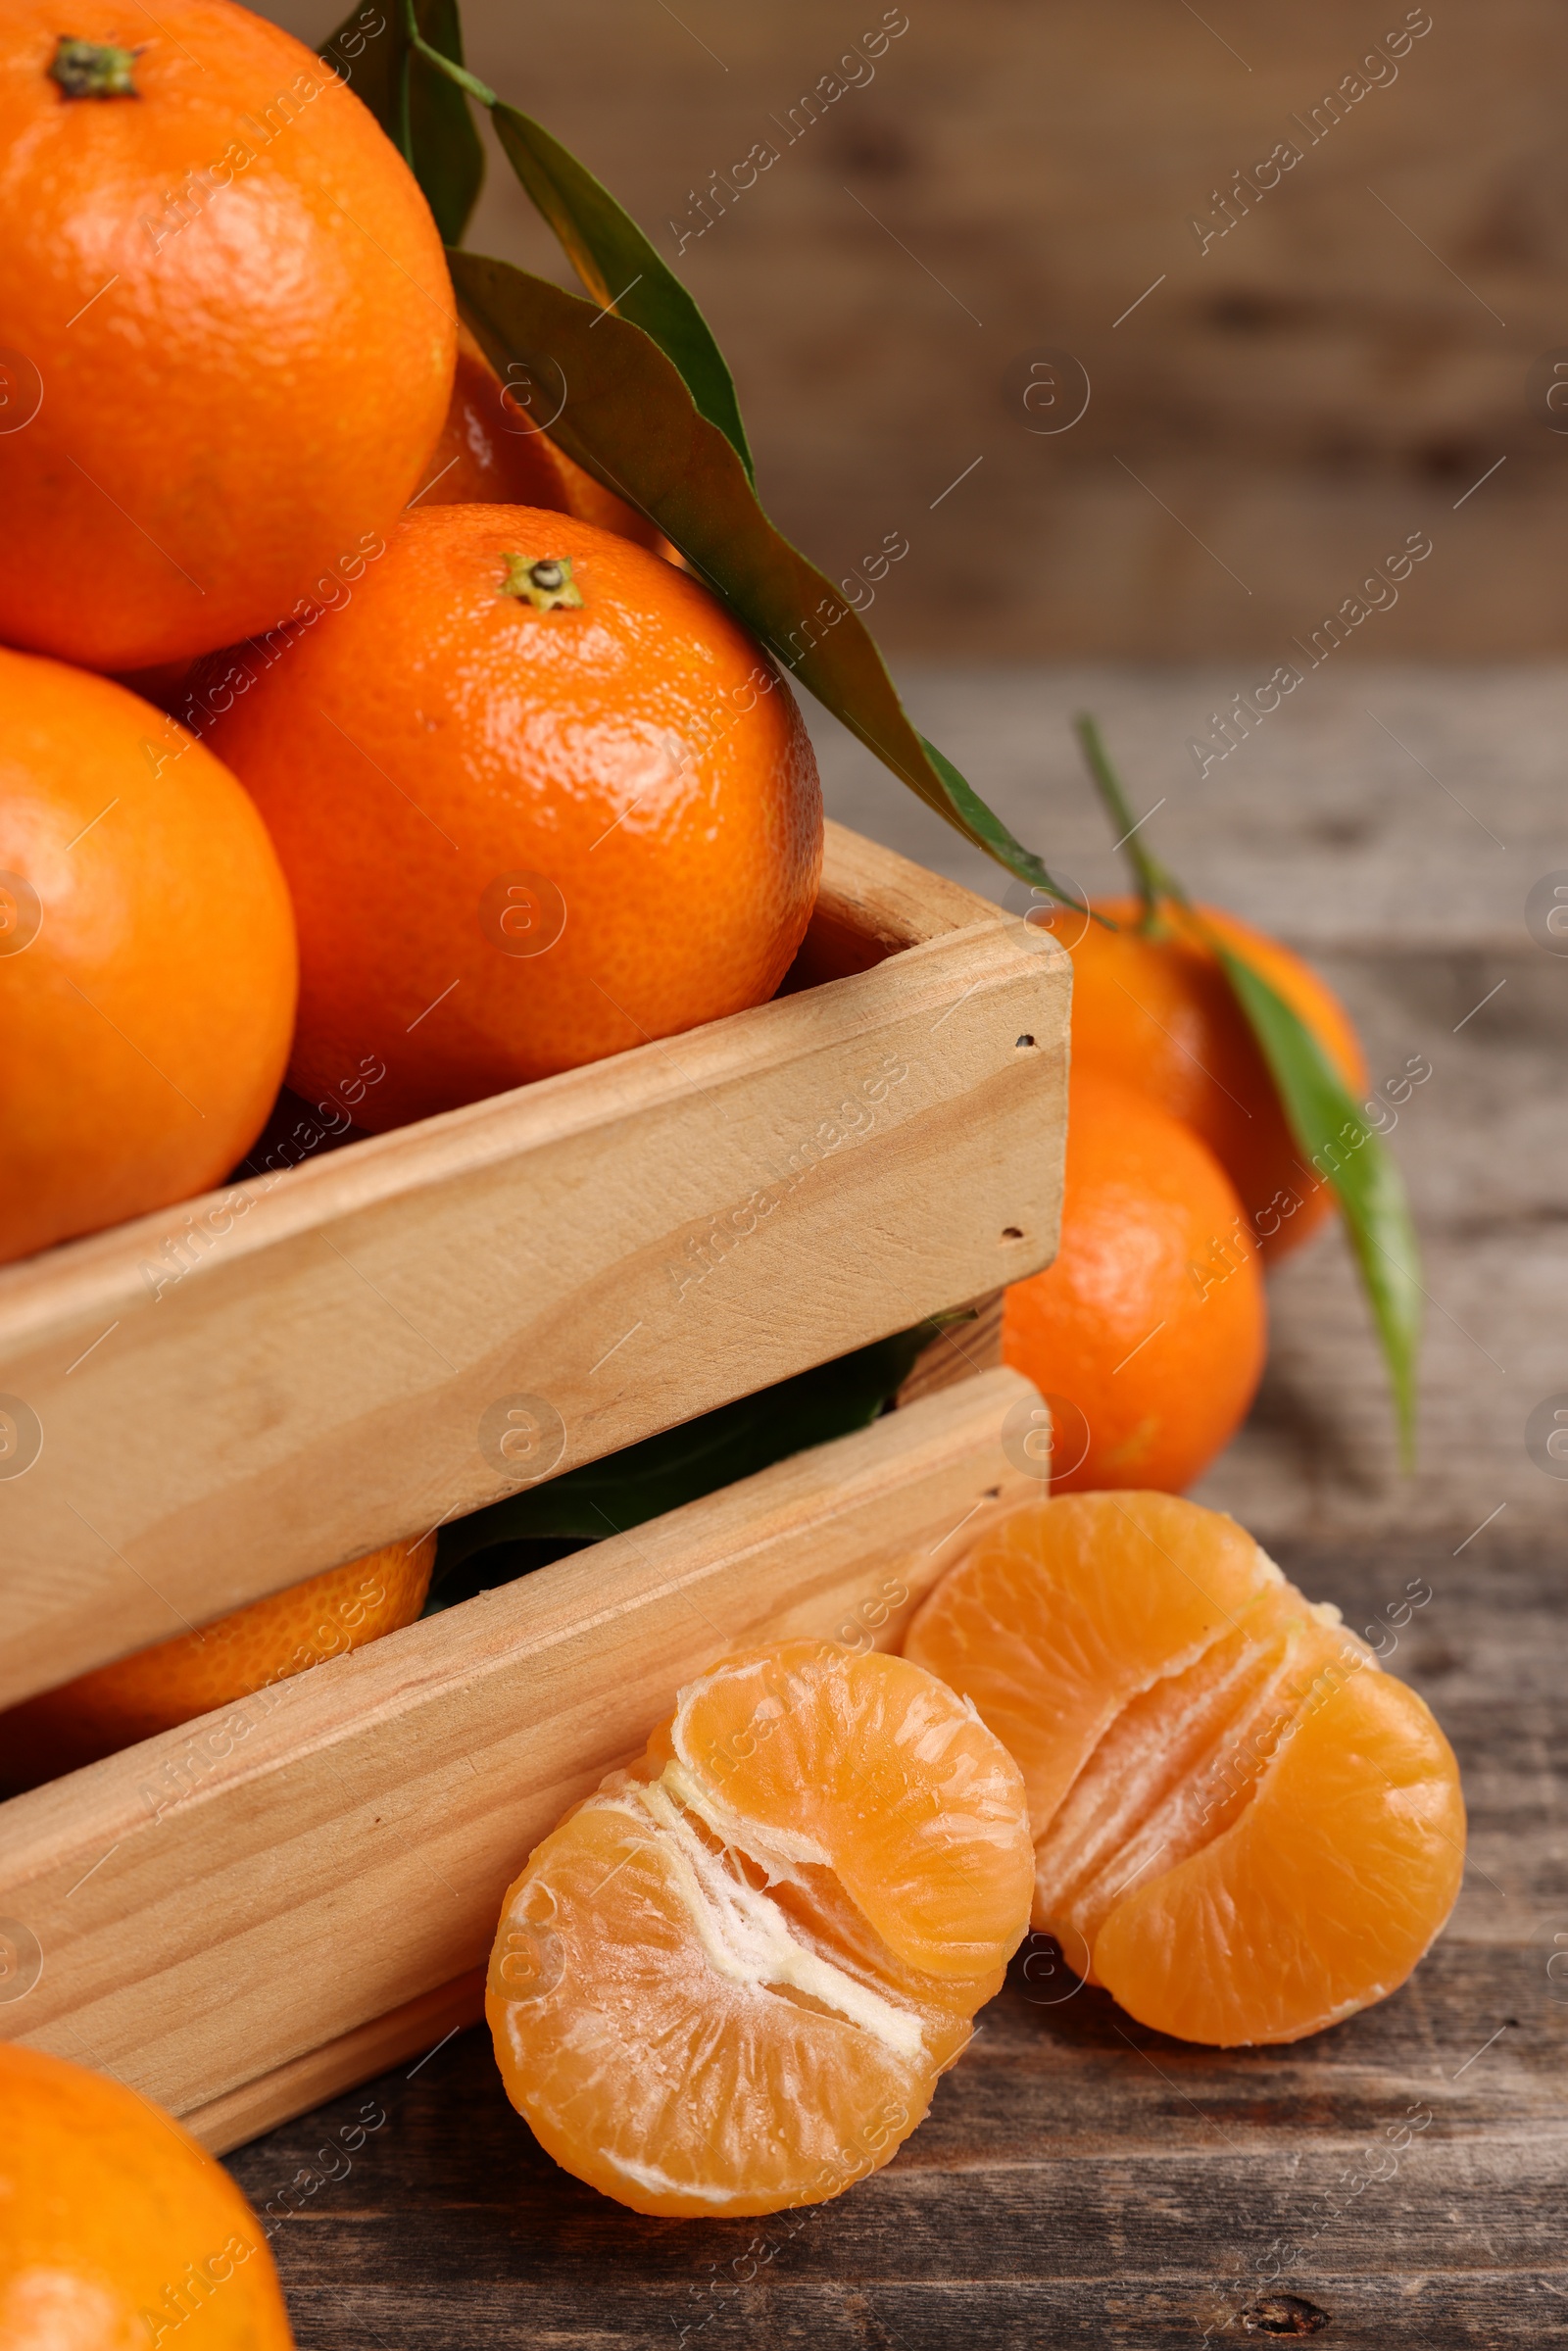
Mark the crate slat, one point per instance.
(231, 1913)
(417, 2029)
(632, 1242)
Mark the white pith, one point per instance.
(648, 2176)
(762, 1843)
(743, 1934)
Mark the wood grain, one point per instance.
(424, 2022)
(957, 1353)
(873, 905)
(608, 1251)
(218, 1903)
(1080, 2180)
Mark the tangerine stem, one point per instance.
(93, 68)
(1154, 881)
(544, 581)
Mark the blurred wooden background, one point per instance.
(1268, 422)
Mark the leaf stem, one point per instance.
(464, 80)
(1154, 881)
(405, 105)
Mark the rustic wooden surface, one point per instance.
(1269, 421)
(599, 1257)
(1082, 2180)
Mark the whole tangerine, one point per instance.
(116, 2226)
(252, 1648)
(1153, 1007)
(232, 324)
(494, 449)
(1147, 1333)
(148, 968)
(538, 799)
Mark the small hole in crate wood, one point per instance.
(1011, 1232)
(1026, 1040)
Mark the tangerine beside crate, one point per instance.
(357, 1350)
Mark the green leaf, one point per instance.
(603, 1498)
(1349, 1154)
(627, 417)
(620, 266)
(1330, 1129)
(606, 247)
(423, 112)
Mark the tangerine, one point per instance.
(1244, 1829)
(232, 322)
(148, 968)
(538, 799)
(270, 1641)
(728, 1982)
(493, 450)
(1153, 1008)
(116, 2228)
(1149, 1330)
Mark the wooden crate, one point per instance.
(573, 1265)
(244, 1916)
(287, 1894)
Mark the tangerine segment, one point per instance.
(1069, 1609)
(1181, 1761)
(708, 1997)
(1324, 1894)
(810, 1753)
(1245, 1841)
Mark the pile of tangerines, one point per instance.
(441, 794)
(349, 726)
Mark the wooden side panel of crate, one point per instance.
(243, 1897)
(409, 1327)
(965, 1347)
(415, 2029)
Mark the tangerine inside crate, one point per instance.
(244, 1915)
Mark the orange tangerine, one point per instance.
(539, 799)
(148, 964)
(1149, 1326)
(1243, 1828)
(117, 2229)
(728, 1982)
(493, 450)
(1155, 1010)
(228, 320)
(171, 1683)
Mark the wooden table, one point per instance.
(1080, 2179)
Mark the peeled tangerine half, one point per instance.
(1243, 1828)
(729, 1981)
